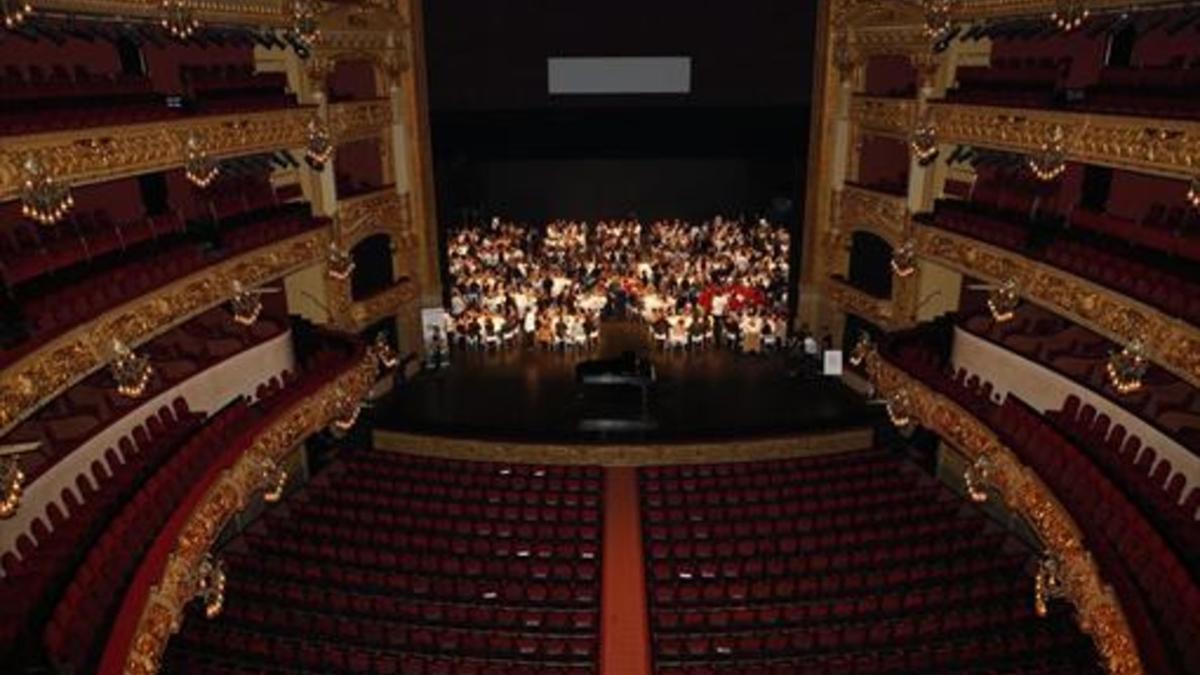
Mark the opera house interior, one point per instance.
(454, 337)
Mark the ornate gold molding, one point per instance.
(884, 116)
(60, 363)
(1161, 146)
(380, 212)
(268, 13)
(354, 120)
(104, 153)
(390, 302)
(882, 214)
(1170, 342)
(879, 312)
(643, 454)
(1099, 610)
(974, 10)
(161, 615)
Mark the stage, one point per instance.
(528, 395)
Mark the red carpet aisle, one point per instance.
(624, 632)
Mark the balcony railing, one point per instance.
(883, 115)
(1170, 342)
(861, 208)
(354, 120)
(876, 310)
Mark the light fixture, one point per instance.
(210, 585)
(904, 259)
(14, 12)
(304, 22)
(862, 348)
(898, 408)
(199, 168)
(1193, 193)
(319, 149)
(12, 482)
(1070, 14)
(937, 18)
(387, 356)
(348, 412)
(274, 479)
(1002, 300)
(1047, 584)
(131, 371)
(923, 142)
(178, 19)
(339, 262)
(1050, 162)
(976, 477)
(43, 199)
(1127, 367)
(246, 304)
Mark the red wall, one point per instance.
(162, 63)
(1156, 47)
(886, 74)
(360, 161)
(353, 80)
(882, 159)
(1087, 54)
(99, 56)
(121, 198)
(1133, 193)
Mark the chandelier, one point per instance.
(976, 477)
(199, 168)
(923, 143)
(861, 349)
(340, 264)
(210, 585)
(1127, 367)
(131, 371)
(1050, 162)
(274, 479)
(12, 482)
(43, 199)
(384, 353)
(904, 259)
(937, 18)
(319, 149)
(1070, 14)
(1047, 584)
(15, 12)
(246, 304)
(1002, 300)
(898, 406)
(178, 19)
(304, 22)
(1193, 194)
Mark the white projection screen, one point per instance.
(620, 75)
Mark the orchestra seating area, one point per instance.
(1115, 510)
(393, 563)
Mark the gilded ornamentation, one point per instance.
(390, 302)
(161, 615)
(90, 155)
(380, 212)
(60, 363)
(354, 120)
(1098, 609)
(1172, 343)
(1140, 144)
(253, 12)
(884, 116)
(878, 311)
(877, 212)
(641, 454)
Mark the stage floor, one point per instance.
(531, 395)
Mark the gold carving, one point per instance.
(380, 212)
(1143, 144)
(643, 454)
(253, 12)
(882, 214)
(105, 153)
(1170, 342)
(60, 363)
(389, 302)
(884, 116)
(881, 312)
(1098, 609)
(354, 120)
(161, 616)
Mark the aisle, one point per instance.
(624, 627)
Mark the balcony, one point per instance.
(382, 211)
(355, 120)
(883, 115)
(881, 312)
(862, 208)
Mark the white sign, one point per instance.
(833, 362)
(619, 75)
(433, 334)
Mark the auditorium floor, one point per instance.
(526, 394)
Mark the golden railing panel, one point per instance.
(1137, 143)
(872, 211)
(273, 13)
(885, 116)
(236, 487)
(354, 120)
(380, 212)
(1099, 611)
(880, 312)
(61, 362)
(104, 153)
(1170, 342)
(390, 302)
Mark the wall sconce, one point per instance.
(937, 18)
(210, 585)
(1050, 162)
(131, 371)
(976, 477)
(923, 143)
(12, 483)
(43, 199)
(304, 22)
(198, 167)
(178, 19)
(246, 305)
(1047, 584)
(319, 149)
(1002, 300)
(274, 479)
(1127, 367)
(898, 407)
(387, 356)
(339, 262)
(1193, 193)
(862, 349)
(14, 12)
(1070, 14)
(904, 259)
